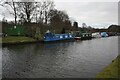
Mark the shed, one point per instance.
(15, 31)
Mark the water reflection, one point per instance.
(59, 59)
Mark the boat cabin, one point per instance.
(54, 37)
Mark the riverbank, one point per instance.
(111, 71)
(17, 40)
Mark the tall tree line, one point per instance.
(29, 11)
(43, 12)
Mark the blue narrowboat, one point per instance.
(56, 37)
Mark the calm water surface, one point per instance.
(0, 61)
(81, 59)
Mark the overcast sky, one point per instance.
(94, 13)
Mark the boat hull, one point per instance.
(58, 37)
(86, 38)
(52, 40)
(77, 38)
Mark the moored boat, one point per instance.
(86, 36)
(104, 34)
(96, 35)
(82, 35)
(77, 38)
(57, 37)
(77, 35)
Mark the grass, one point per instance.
(14, 39)
(111, 71)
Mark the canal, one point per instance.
(79, 59)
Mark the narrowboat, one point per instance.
(86, 36)
(79, 35)
(57, 37)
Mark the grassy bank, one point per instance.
(17, 39)
(111, 71)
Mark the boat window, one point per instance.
(61, 36)
(57, 36)
(15, 27)
(66, 36)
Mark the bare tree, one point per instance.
(59, 20)
(27, 10)
(58, 16)
(75, 24)
(84, 25)
(13, 6)
(44, 9)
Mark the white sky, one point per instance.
(95, 13)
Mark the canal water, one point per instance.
(79, 59)
(0, 60)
